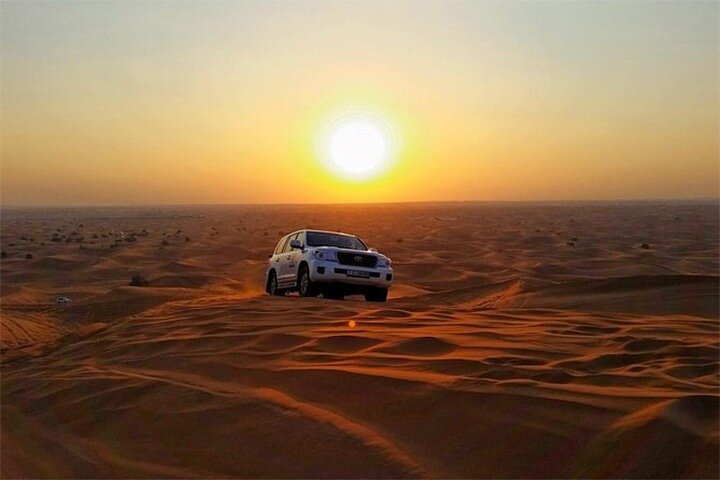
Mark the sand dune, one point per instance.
(502, 352)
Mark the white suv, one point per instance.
(332, 263)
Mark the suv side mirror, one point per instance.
(295, 243)
(373, 250)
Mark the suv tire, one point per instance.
(305, 286)
(272, 286)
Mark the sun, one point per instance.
(357, 146)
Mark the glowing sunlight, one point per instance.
(357, 146)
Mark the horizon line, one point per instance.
(702, 199)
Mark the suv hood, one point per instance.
(346, 250)
(350, 250)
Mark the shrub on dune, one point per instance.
(139, 281)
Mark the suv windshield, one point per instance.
(322, 239)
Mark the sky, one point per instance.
(132, 103)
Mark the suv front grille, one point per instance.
(357, 259)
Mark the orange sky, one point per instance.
(161, 102)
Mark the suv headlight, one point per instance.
(384, 262)
(326, 255)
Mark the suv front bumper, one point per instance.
(333, 272)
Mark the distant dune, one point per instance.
(520, 341)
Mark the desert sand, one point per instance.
(520, 340)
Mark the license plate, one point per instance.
(358, 273)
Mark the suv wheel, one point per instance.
(306, 287)
(273, 285)
(376, 295)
